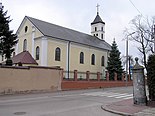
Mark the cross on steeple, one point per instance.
(97, 8)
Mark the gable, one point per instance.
(22, 31)
(25, 31)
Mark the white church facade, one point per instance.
(53, 45)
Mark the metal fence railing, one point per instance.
(70, 75)
(81, 75)
(93, 76)
(86, 76)
(102, 77)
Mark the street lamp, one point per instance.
(127, 56)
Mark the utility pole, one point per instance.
(127, 60)
(127, 56)
(129, 67)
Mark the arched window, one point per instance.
(93, 59)
(37, 52)
(95, 28)
(25, 45)
(102, 36)
(57, 54)
(81, 58)
(102, 61)
(101, 28)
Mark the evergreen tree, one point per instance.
(114, 62)
(151, 77)
(7, 39)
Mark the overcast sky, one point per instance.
(78, 14)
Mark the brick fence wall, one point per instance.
(76, 82)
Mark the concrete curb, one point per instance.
(104, 107)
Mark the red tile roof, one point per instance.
(24, 58)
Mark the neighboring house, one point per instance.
(24, 59)
(53, 45)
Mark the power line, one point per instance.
(138, 11)
(135, 7)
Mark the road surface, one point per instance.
(63, 103)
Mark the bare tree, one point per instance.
(130, 58)
(141, 31)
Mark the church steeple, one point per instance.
(98, 26)
(97, 20)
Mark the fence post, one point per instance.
(87, 75)
(123, 77)
(139, 92)
(98, 76)
(129, 78)
(115, 76)
(107, 75)
(62, 77)
(75, 75)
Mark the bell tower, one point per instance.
(98, 26)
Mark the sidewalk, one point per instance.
(127, 108)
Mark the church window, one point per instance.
(81, 58)
(94, 34)
(37, 52)
(102, 36)
(57, 54)
(101, 28)
(93, 59)
(25, 45)
(95, 28)
(26, 28)
(102, 61)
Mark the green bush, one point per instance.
(151, 77)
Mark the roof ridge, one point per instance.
(58, 25)
(34, 23)
(56, 31)
(61, 27)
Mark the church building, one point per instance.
(54, 45)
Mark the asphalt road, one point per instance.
(63, 103)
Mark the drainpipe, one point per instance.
(68, 59)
